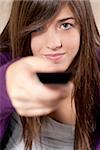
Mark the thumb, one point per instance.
(37, 64)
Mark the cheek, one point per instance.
(72, 43)
(36, 45)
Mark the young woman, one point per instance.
(50, 36)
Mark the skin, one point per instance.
(59, 36)
(28, 95)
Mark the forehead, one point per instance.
(64, 12)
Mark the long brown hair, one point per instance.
(26, 16)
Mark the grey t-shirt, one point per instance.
(54, 136)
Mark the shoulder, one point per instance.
(98, 56)
(4, 58)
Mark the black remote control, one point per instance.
(54, 78)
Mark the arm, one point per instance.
(6, 108)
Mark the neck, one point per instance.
(65, 113)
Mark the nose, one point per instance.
(53, 40)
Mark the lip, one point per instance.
(54, 57)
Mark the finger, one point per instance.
(35, 104)
(36, 112)
(38, 64)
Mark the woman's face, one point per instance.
(59, 40)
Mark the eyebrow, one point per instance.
(65, 19)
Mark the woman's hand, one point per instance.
(28, 95)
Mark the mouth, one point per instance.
(55, 57)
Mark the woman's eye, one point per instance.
(66, 26)
(40, 29)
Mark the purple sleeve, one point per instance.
(6, 107)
